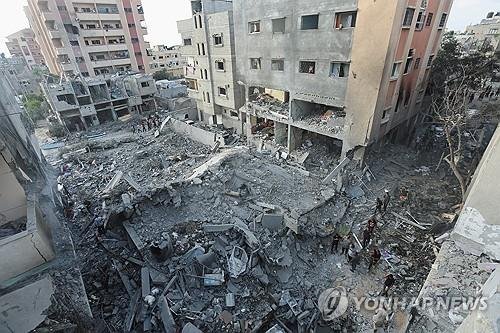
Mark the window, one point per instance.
(128, 10)
(408, 17)
(417, 63)
(279, 25)
(429, 19)
(420, 21)
(206, 74)
(208, 97)
(131, 25)
(233, 114)
(255, 63)
(309, 22)
(395, 69)
(222, 91)
(345, 20)
(195, 22)
(254, 27)
(62, 8)
(429, 62)
(96, 42)
(202, 48)
(219, 64)
(144, 84)
(493, 31)
(339, 69)
(308, 67)
(74, 43)
(218, 40)
(442, 22)
(199, 22)
(409, 61)
(278, 65)
(135, 40)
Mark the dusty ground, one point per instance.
(168, 207)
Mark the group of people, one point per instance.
(147, 124)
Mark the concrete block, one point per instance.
(272, 222)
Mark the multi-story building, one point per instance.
(22, 44)
(208, 45)
(168, 59)
(90, 37)
(351, 70)
(485, 32)
(19, 76)
(82, 103)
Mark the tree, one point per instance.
(456, 77)
(36, 107)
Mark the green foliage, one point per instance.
(36, 107)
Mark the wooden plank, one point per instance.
(134, 236)
(132, 308)
(336, 170)
(123, 277)
(166, 315)
(112, 183)
(407, 221)
(145, 283)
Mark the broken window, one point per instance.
(233, 114)
(429, 19)
(199, 22)
(345, 20)
(218, 40)
(254, 27)
(442, 22)
(192, 84)
(279, 25)
(408, 17)
(220, 65)
(195, 22)
(187, 41)
(206, 74)
(278, 65)
(339, 69)
(144, 84)
(222, 91)
(308, 67)
(420, 20)
(255, 63)
(395, 70)
(202, 48)
(409, 61)
(309, 22)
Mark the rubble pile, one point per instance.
(272, 104)
(171, 235)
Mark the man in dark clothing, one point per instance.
(335, 243)
(387, 198)
(374, 258)
(379, 205)
(366, 237)
(356, 258)
(344, 245)
(372, 223)
(388, 283)
(351, 251)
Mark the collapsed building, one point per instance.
(82, 103)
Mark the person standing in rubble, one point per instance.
(388, 283)
(367, 235)
(351, 251)
(344, 245)
(335, 242)
(403, 195)
(378, 206)
(372, 223)
(387, 198)
(356, 258)
(374, 258)
(380, 319)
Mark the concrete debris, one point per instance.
(273, 222)
(237, 262)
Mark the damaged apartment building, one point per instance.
(32, 242)
(346, 72)
(81, 103)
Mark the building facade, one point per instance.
(81, 103)
(20, 76)
(352, 71)
(22, 44)
(485, 32)
(90, 38)
(168, 59)
(209, 47)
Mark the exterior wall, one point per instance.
(488, 30)
(23, 44)
(90, 37)
(19, 76)
(12, 196)
(201, 68)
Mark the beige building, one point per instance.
(22, 44)
(90, 37)
(208, 45)
(168, 59)
(487, 31)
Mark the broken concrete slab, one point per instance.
(166, 315)
(217, 227)
(24, 309)
(113, 182)
(336, 170)
(237, 262)
(190, 328)
(273, 222)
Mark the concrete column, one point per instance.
(113, 114)
(280, 133)
(294, 138)
(82, 119)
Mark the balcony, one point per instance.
(55, 34)
(107, 47)
(97, 16)
(111, 62)
(62, 51)
(101, 32)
